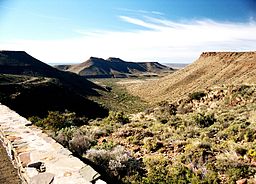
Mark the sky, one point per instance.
(166, 31)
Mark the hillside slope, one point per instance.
(113, 68)
(212, 68)
(32, 87)
(21, 63)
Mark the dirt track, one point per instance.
(8, 174)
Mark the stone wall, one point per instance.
(38, 158)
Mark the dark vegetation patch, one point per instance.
(196, 95)
(44, 94)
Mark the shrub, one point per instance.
(196, 95)
(106, 145)
(252, 153)
(113, 121)
(117, 162)
(80, 143)
(240, 151)
(64, 135)
(234, 170)
(152, 144)
(204, 120)
(237, 173)
(167, 108)
(244, 90)
(250, 135)
(57, 120)
(158, 169)
(118, 117)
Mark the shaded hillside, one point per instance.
(212, 68)
(32, 87)
(21, 63)
(113, 68)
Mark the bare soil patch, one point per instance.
(8, 174)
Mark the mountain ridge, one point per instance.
(210, 69)
(113, 68)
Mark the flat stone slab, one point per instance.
(42, 178)
(90, 173)
(31, 146)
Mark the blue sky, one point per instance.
(134, 30)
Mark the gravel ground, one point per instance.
(8, 174)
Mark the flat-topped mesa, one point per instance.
(114, 67)
(18, 58)
(12, 52)
(94, 58)
(228, 54)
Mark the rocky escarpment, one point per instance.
(227, 55)
(210, 69)
(39, 158)
(114, 68)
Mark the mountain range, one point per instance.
(114, 68)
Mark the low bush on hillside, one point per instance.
(57, 120)
(117, 161)
(204, 120)
(196, 95)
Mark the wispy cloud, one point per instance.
(163, 40)
(140, 11)
(157, 13)
(140, 22)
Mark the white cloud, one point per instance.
(140, 11)
(163, 41)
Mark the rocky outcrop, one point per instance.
(39, 158)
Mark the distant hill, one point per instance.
(33, 88)
(211, 69)
(114, 68)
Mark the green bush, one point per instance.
(118, 117)
(204, 120)
(252, 153)
(234, 170)
(196, 95)
(158, 170)
(152, 144)
(57, 120)
(244, 90)
(64, 135)
(114, 121)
